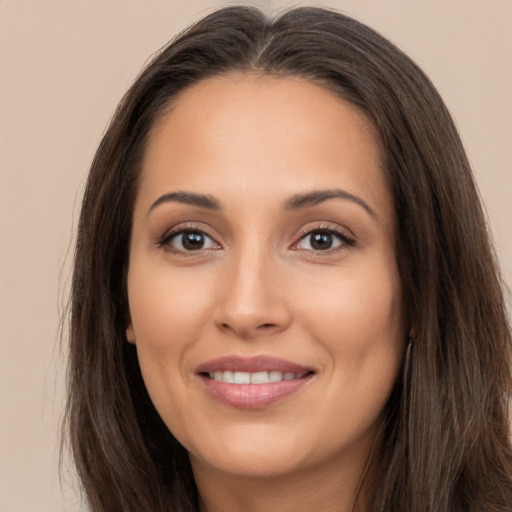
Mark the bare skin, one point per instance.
(263, 227)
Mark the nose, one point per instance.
(251, 301)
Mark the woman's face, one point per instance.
(264, 296)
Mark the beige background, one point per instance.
(63, 67)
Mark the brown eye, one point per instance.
(323, 240)
(190, 240)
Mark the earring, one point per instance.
(410, 343)
(407, 358)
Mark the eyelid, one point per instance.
(343, 234)
(165, 239)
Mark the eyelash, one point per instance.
(165, 241)
(345, 240)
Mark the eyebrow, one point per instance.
(201, 200)
(311, 199)
(296, 202)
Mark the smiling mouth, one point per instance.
(254, 382)
(260, 377)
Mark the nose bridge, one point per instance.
(250, 299)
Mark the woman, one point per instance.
(284, 294)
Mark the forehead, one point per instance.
(262, 133)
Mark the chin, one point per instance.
(264, 451)
(250, 452)
(247, 464)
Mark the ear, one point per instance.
(130, 334)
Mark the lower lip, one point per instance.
(253, 396)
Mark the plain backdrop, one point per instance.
(63, 67)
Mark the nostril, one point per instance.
(262, 327)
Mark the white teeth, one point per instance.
(253, 378)
(259, 378)
(241, 378)
(275, 376)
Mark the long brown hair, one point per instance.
(445, 440)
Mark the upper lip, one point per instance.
(252, 365)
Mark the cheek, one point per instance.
(167, 307)
(359, 308)
(358, 324)
(356, 320)
(168, 311)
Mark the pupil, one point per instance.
(193, 241)
(321, 241)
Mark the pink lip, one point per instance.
(252, 396)
(251, 364)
